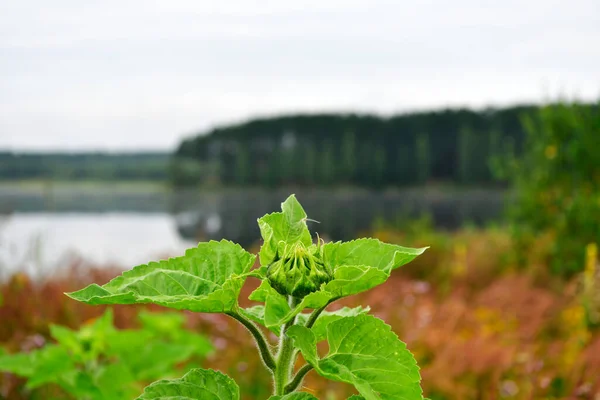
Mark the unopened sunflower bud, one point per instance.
(299, 272)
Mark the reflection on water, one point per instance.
(41, 243)
(125, 226)
(342, 214)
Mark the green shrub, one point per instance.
(557, 182)
(99, 362)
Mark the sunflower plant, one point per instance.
(300, 277)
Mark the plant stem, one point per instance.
(298, 378)
(315, 314)
(285, 359)
(309, 324)
(259, 338)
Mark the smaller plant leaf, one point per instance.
(257, 314)
(319, 329)
(364, 352)
(283, 228)
(205, 384)
(353, 279)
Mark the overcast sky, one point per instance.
(128, 75)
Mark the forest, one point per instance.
(452, 145)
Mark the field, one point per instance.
(479, 326)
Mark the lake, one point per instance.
(41, 243)
(46, 224)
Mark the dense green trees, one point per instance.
(350, 149)
(92, 166)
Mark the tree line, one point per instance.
(457, 146)
(84, 166)
(451, 145)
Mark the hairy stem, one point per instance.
(285, 355)
(298, 378)
(315, 314)
(259, 338)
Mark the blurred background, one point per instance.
(131, 130)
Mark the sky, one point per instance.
(141, 75)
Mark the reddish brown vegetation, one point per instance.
(479, 328)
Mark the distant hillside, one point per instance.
(452, 145)
(84, 166)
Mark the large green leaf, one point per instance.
(281, 228)
(207, 279)
(369, 252)
(364, 352)
(202, 384)
(295, 396)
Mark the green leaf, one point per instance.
(21, 364)
(163, 322)
(319, 329)
(207, 279)
(294, 396)
(362, 264)
(204, 384)
(45, 365)
(281, 228)
(89, 341)
(257, 314)
(369, 252)
(115, 381)
(349, 280)
(170, 327)
(262, 291)
(364, 352)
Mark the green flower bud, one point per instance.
(299, 272)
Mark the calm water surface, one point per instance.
(49, 226)
(42, 243)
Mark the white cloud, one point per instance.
(136, 74)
